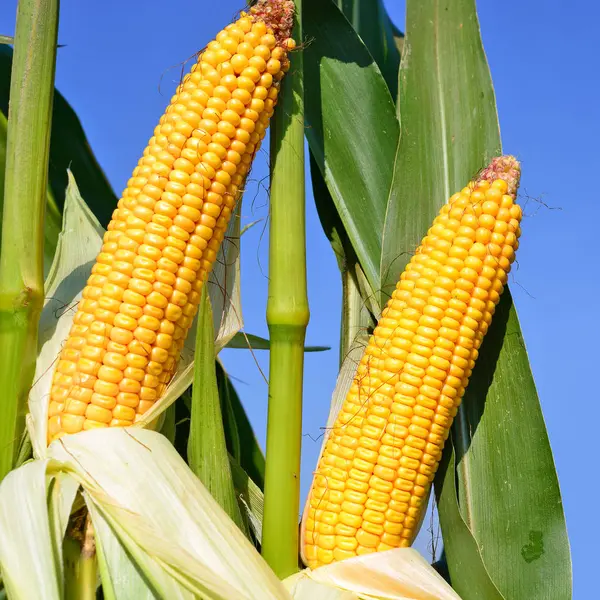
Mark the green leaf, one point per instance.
(249, 341)
(508, 488)
(372, 22)
(168, 426)
(3, 132)
(449, 123)
(354, 149)
(207, 451)
(241, 441)
(458, 539)
(355, 315)
(69, 150)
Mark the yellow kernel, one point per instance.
(239, 62)
(123, 412)
(99, 414)
(273, 66)
(268, 40)
(102, 401)
(71, 423)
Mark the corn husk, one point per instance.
(160, 533)
(400, 574)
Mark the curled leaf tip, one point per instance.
(503, 167)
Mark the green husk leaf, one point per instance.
(207, 451)
(168, 426)
(250, 496)
(61, 498)
(241, 440)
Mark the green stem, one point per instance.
(287, 318)
(81, 568)
(21, 251)
(353, 319)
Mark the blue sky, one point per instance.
(120, 66)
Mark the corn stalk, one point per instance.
(287, 318)
(21, 251)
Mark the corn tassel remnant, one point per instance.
(372, 480)
(163, 239)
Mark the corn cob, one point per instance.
(163, 239)
(373, 477)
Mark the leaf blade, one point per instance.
(354, 150)
(250, 341)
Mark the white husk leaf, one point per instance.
(301, 586)
(63, 491)
(157, 506)
(28, 560)
(401, 574)
(79, 244)
(121, 578)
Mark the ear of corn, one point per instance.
(163, 239)
(373, 478)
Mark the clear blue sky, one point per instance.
(120, 66)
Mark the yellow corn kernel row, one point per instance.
(372, 480)
(163, 239)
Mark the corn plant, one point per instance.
(129, 467)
